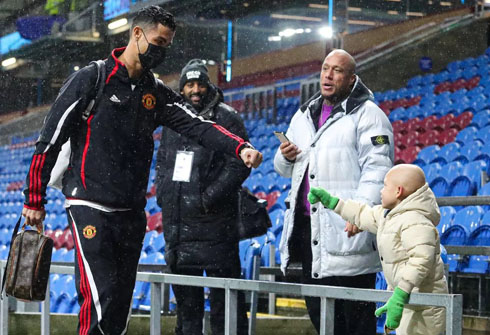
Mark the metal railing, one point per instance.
(453, 303)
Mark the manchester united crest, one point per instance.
(149, 101)
(89, 232)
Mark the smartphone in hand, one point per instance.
(281, 136)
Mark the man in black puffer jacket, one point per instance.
(197, 189)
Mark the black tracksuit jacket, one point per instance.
(112, 150)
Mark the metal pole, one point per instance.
(4, 308)
(254, 296)
(166, 298)
(230, 311)
(45, 307)
(327, 316)
(454, 315)
(272, 278)
(156, 308)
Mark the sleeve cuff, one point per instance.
(340, 206)
(33, 208)
(406, 286)
(242, 146)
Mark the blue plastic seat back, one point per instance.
(481, 235)
(449, 151)
(431, 171)
(481, 119)
(467, 134)
(447, 216)
(476, 264)
(439, 186)
(469, 217)
(429, 153)
(455, 235)
(484, 135)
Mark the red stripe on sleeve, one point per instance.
(31, 180)
(39, 180)
(232, 136)
(85, 150)
(35, 182)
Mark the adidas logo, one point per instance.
(114, 98)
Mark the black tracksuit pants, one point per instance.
(190, 302)
(107, 250)
(351, 317)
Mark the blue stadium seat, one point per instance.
(59, 255)
(427, 154)
(265, 241)
(440, 184)
(476, 264)
(276, 216)
(140, 291)
(444, 255)
(467, 134)
(484, 134)
(469, 182)
(447, 215)
(149, 236)
(469, 217)
(481, 235)
(454, 262)
(431, 171)
(154, 258)
(248, 249)
(481, 119)
(448, 152)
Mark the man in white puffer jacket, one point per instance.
(341, 141)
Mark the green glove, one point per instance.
(393, 308)
(319, 194)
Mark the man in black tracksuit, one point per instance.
(111, 151)
(199, 214)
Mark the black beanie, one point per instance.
(194, 70)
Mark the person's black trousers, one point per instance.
(190, 303)
(351, 317)
(107, 251)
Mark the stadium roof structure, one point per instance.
(214, 30)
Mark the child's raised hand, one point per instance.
(351, 229)
(317, 194)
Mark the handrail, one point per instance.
(452, 302)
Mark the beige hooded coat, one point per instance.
(409, 250)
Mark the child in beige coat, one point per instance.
(408, 244)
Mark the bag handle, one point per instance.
(16, 230)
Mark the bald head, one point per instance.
(409, 176)
(347, 60)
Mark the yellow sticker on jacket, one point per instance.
(89, 232)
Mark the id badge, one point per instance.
(183, 166)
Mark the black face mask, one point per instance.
(153, 56)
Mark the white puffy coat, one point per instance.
(349, 156)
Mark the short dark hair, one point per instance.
(153, 15)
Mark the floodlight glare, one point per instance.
(287, 32)
(9, 61)
(326, 32)
(117, 24)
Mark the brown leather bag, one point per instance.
(27, 271)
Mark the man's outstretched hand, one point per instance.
(251, 157)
